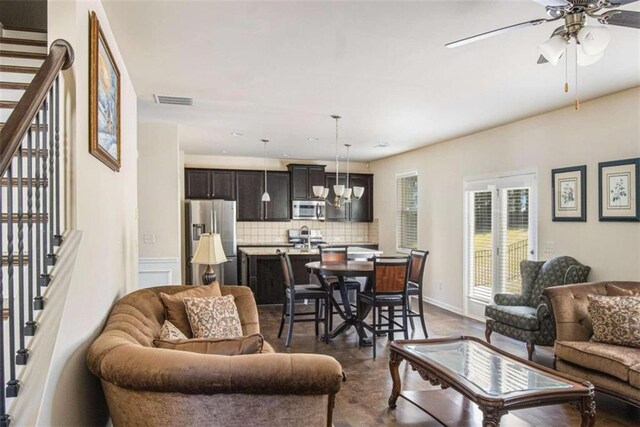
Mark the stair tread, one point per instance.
(24, 55)
(12, 104)
(23, 29)
(24, 42)
(14, 85)
(18, 69)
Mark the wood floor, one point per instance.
(363, 398)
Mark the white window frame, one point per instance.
(398, 177)
(495, 182)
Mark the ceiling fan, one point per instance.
(592, 39)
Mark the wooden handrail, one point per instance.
(19, 122)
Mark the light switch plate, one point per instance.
(149, 238)
(549, 247)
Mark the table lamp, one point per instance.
(209, 252)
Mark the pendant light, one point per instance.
(265, 195)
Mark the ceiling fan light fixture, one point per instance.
(594, 40)
(553, 49)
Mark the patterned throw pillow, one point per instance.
(615, 320)
(213, 317)
(174, 310)
(170, 332)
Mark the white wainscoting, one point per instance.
(158, 272)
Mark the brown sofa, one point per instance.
(145, 385)
(613, 369)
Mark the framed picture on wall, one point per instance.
(619, 184)
(569, 193)
(104, 99)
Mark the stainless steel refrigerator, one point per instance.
(212, 216)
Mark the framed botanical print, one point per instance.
(569, 190)
(104, 99)
(619, 183)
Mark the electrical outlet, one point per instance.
(549, 247)
(149, 238)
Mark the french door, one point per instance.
(500, 232)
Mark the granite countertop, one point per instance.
(271, 250)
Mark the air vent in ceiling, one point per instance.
(173, 100)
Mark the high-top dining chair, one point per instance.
(300, 292)
(417, 261)
(337, 254)
(388, 290)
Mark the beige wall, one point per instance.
(102, 204)
(603, 129)
(231, 162)
(159, 189)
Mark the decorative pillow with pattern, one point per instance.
(170, 332)
(615, 320)
(213, 317)
(174, 310)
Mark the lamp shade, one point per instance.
(553, 49)
(266, 197)
(594, 40)
(317, 190)
(584, 59)
(338, 189)
(325, 193)
(358, 192)
(209, 250)
(347, 193)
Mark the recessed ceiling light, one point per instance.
(312, 139)
(382, 145)
(237, 134)
(285, 155)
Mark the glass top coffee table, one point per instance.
(493, 379)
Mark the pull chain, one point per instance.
(577, 102)
(566, 70)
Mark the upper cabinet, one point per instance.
(210, 184)
(358, 210)
(249, 189)
(303, 179)
(279, 208)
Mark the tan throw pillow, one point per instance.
(170, 332)
(615, 320)
(213, 317)
(174, 310)
(251, 344)
(617, 291)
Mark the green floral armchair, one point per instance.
(524, 316)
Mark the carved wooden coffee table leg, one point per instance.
(491, 416)
(394, 363)
(587, 408)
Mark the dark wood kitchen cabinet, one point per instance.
(358, 210)
(210, 184)
(304, 178)
(249, 189)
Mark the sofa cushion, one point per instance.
(519, 316)
(615, 320)
(170, 332)
(213, 317)
(251, 344)
(174, 310)
(607, 358)
(634, 375)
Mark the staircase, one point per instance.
(30, 194)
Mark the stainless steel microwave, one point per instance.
(308, 209)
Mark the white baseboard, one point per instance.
(451, 308)
(158, 271)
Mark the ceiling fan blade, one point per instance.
(621, 18)
(555, 3)
(492, 33)
(542, 60)
(616, 3)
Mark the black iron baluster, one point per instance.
(58, 235)
(30, 326)
(4, 418)
(22, 355)
(45, 278)
(12, 384)
(38, 301)
(51, 256)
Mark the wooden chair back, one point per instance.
(334, 254)
(287, 270)
(418, 259)
(390, 274)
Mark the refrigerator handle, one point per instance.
(214, 220)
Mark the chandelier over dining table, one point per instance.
(342, 192)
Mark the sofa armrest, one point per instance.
(246, 305)
(115, 359)
(509, 299)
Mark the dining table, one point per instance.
(341, 271)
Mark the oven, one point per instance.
(308, 209)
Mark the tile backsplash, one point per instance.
(262, 233)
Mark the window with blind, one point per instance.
(407, 212)
(500, 232)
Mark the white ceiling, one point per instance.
(278, 70)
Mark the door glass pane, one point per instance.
(514, 237)
(480, 244)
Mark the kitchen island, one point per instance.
(260, 268)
